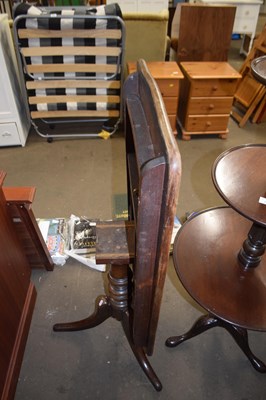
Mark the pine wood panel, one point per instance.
(168, 87)
(53, 68)
(210, 70)
(77, 99)
(210, 123)
(75, 114)
(167, 76)
(248, 90)
(170, 104)
(172, 120)
(70, 33)
(81, 83)
(214, 105)
(210, 38)
(160, 70)
(71, 51)
(213, 87)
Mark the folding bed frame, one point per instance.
(71, 60)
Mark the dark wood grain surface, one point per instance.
(17, 298)
(210, 38)
(154, 171)
(239, 175)
(205, 257)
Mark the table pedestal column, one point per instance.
(253, 247)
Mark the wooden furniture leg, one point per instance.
(259, 112)
(115, 305)
(209, 321)
(101, 312)
(243, 120)
(139, 353)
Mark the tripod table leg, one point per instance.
(101, 313)
(239, 334)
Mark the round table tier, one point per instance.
(239, 175)
(206, 261)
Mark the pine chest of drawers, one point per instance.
(167, 75)
(206, 96)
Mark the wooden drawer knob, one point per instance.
(211, 107)
(214, 88)
(208, 123)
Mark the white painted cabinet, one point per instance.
(14, 115)
(141, 6)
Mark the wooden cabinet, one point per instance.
(17, 298)
(246, 18)
(14, 116)
(21, 247)
(206, 97)
(167, 76)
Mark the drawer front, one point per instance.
(212, 87)
(247, 11)
(245, 25)
(211, 123)
(212, 105)
(9, 135)
(172, 120)
(168, 87)
(170, 105)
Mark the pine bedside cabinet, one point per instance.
(206, 97)
(167, 75)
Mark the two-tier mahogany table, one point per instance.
(219, 253)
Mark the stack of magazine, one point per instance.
(82, 241)
(54, 232)
(74, 237)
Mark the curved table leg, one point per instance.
(208, 321)
(140, 354)
(201, 325)
(102, 311)
(240, 336)
(115, 305)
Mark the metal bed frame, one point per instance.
(71, 59)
